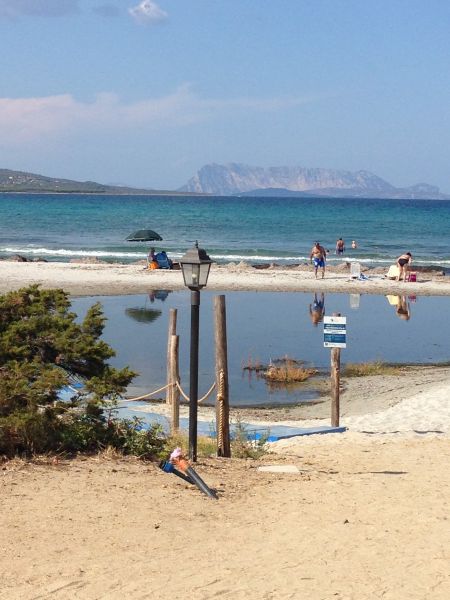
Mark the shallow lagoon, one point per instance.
(264, 326)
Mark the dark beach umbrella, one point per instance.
(144, 235)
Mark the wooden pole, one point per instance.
(172, 331)
(335, 382)
(174, 377)
(222, 402)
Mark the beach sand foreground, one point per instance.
(362, 519)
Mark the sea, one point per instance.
(254, 230)
(262, 326)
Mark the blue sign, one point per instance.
(335, 332)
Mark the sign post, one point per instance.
(335, 337)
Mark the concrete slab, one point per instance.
(279, 469)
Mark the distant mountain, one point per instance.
(19, 181)
(238, 179)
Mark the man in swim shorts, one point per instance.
(318, 256)
(403, 263)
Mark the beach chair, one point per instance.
(355, 270)
(163, 260)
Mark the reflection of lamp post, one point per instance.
(195, 265)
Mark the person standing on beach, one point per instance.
(403, 263)
(318, 256)
(340, 247)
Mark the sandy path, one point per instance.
(362, 519)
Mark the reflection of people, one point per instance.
(340, 246)
(402, 310)
(318, 255)
(317, 309)
(403, 263)
(354, 245)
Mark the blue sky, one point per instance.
(145, 92)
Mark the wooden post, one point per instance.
(222, 402)
(335, 382)
(174, 377)
(172, 331)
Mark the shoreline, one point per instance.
(390, 400)
(105, 279)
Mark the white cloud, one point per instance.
(40, 8)
(147, 11)
(26, 120)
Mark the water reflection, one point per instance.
(317, 309)
(354, 301)
(402, 306)
(143, 314)
(158, 295)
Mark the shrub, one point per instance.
(42, 348)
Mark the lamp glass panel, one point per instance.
(204, 272)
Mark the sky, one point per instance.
(144, 93)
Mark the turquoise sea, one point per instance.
(281, 230)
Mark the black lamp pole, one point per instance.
(195, 265)
(193, 389)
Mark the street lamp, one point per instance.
(195, 265)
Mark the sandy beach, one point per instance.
(364, 517)
(111, 279)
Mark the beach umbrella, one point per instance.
(144, 235)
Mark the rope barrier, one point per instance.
(202, 399)
(147, 395)
(220, 399)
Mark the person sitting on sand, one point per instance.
(318, 256)
(317, 309)
(403, 311)
(403, 263)
(340, 247)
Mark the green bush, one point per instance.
(42, 348)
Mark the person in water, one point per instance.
(403, 263)
(317, 309)
(318, 256)
(340, 246)
(354, 245)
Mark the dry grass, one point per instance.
(371, 368)
(289, 372)
(206, 446)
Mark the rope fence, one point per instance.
(178, 385)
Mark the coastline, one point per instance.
(85, 279)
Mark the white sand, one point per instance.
(106, 279)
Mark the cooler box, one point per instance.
(355, 270)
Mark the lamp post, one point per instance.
(195, 265)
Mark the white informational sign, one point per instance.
(335, 332)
